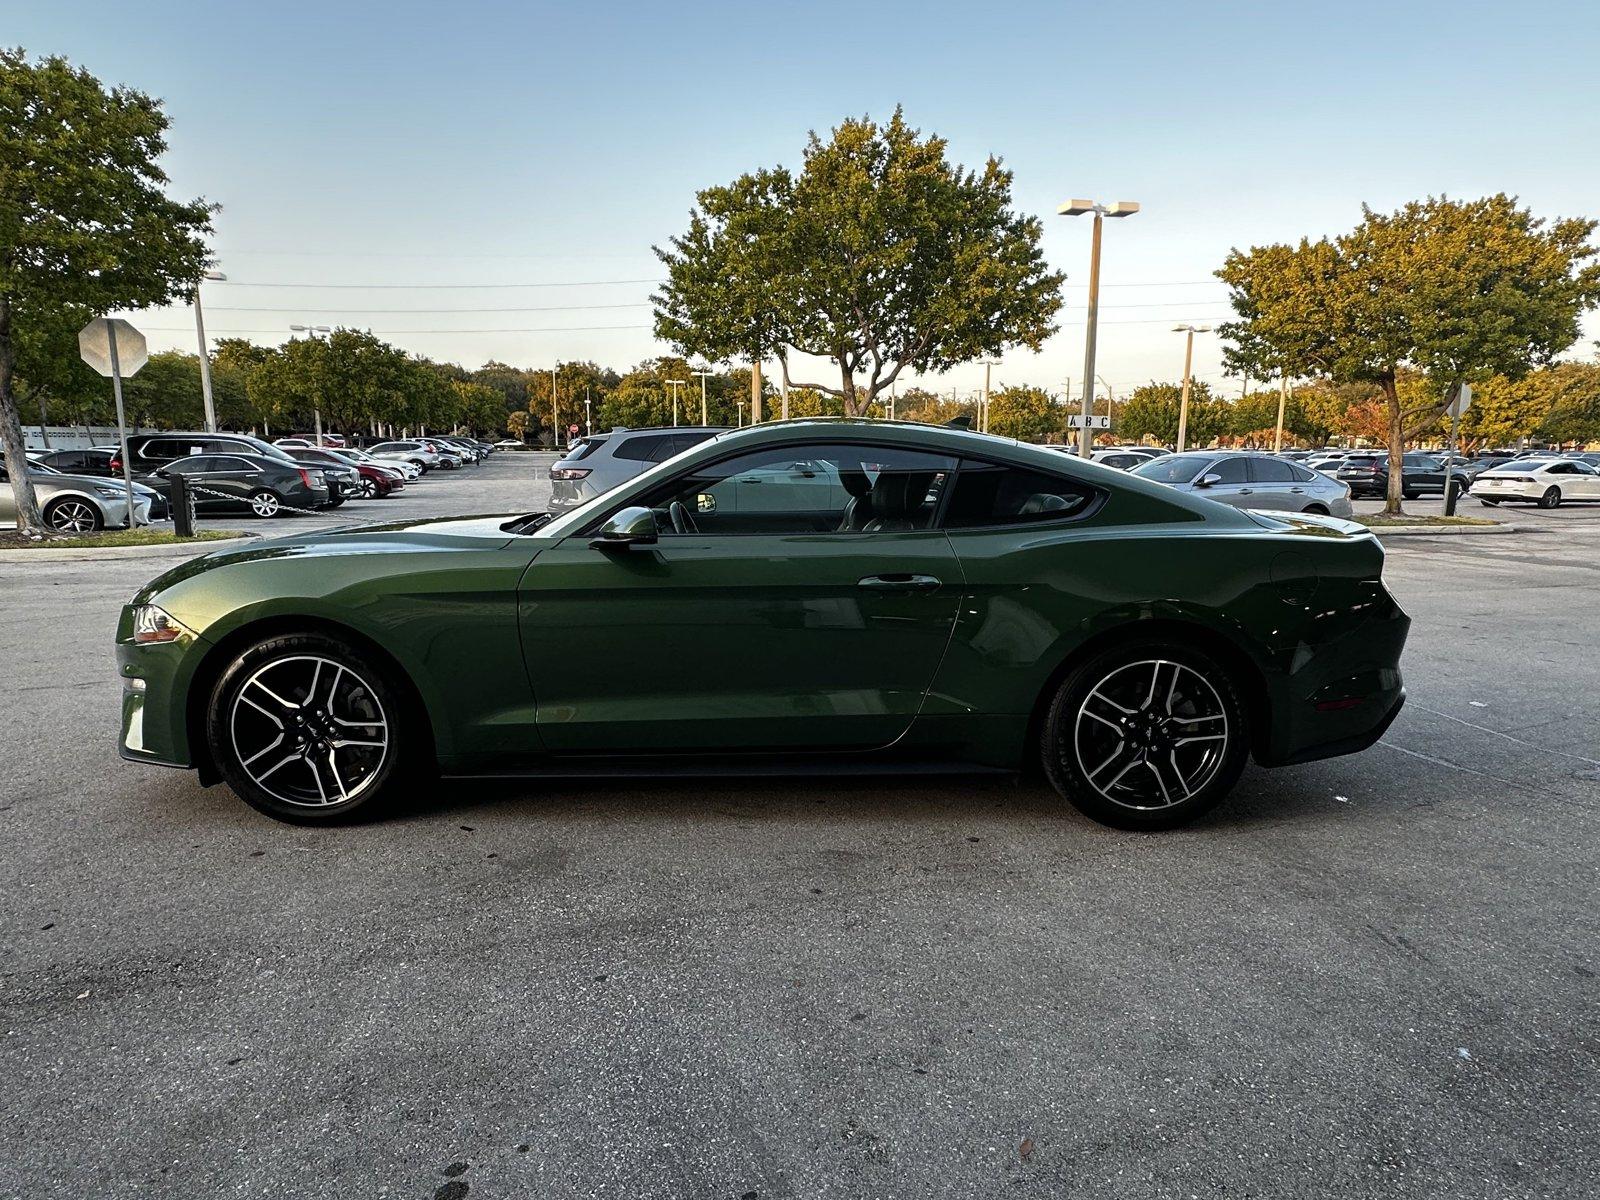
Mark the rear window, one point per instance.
(586, 447)
(170, 448)
(653, 448)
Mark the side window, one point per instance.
(1270, 470)
(1229, 470)
(807, 488)
(989, 494)
(194, 466)
(653, 448)
(1560, 469)
(1302, 475)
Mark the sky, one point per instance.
(478, 180)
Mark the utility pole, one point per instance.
(1188, 376)
(1077, 208)
(205, 354)
(555, 417)
(755, 391)
(1283, 403)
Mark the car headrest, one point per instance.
(1042, 502)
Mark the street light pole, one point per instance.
(1077, 208)
(555, 416)
(205, 355)
(1283, 403)
(705, 417)
(677, 386)
(1188, 365)
(983, 407)
(310, 331)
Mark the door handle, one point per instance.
(1246, 491)
(1299, 491)
(900, 583)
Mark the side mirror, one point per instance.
(705, 502)
(627, 527)
(1211, 479)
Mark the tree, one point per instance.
(1454, 290)
(518, 422)
(479, 407)
(85, 226)
(880, 256)
(1153, 410)
(166, 393)
(919, 404)
(1575, 414)
(1024, 413)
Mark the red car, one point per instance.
(375, 481)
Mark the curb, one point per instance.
(1383, 531)
(91, 553)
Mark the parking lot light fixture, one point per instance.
(1078, 208)
(1188, 375)
(704, 412)
(677, 386)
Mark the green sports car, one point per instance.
(809, 596)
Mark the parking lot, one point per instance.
(1374, 975)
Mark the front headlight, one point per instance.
(152, 624)
(107, 490)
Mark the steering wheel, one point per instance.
(682, 522)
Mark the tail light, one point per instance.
(568, 472)
(116, 463)
(305, 478)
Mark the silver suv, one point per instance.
(599, 463)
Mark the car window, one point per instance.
(823, 488)
(1230, 470)
(654, 448)
(1301, 474)
(1560, 468)
(1172, 468)
(990, 494)
(1270, 470)
(1583, 468)
(67, 460)
(228, 462)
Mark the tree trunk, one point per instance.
(1397, 449)
(28, 518)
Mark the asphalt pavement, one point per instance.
(1372, 976)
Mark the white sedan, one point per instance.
(1547, 482)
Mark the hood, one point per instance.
(1307, 524)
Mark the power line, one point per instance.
(408, 286)
(424, 311)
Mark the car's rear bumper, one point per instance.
(1338, 696)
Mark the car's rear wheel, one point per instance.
(265, 503)
(1551, 498)
(1485, 500)
(1315, 509)
(1147, 735)
(306, 729)
(72, 515)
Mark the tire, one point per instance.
(1551, 498)
(368, 489)
(1120, 737)
(1408, 494)
(265, 503)
(72, 514)
(308, 730)
(1487, 502)
(336, 501)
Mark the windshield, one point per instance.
(575, 518)
(1173, 468)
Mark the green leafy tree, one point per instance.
(481, 412)
(85, 225)
(1575, 414)
(1152, 411)
(880, 256)
(920, 404)
(1453, 290)
(1025, 413)
(166, 393)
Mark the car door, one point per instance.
(1585, 481)
(747, 634)
(1231, 484)
(1274, 485)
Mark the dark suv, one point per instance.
(599, 463)
(1367, 474)
(149, 452)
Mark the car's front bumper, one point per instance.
(155, 682)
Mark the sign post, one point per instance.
(115, 348)
(1458, 405)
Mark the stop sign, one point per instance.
(94, 345)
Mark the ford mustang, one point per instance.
(807, 596)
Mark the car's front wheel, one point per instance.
(306, 729)
(1148, 735)
(72, 515)
(368, 489)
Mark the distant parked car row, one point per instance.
(81, 490)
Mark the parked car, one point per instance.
(596, 464)
(148, 452)
(372, 482)
(1326, 462)
(257, 483)
(344, 479)
(1122, 460)
(469, 451)
(301, 441)
(425, 458)
(1246, 480)
(923, 598)
(1367, 474)
(511, 444)
(77, 503)
(1547, 482)
(93, 461)
(400, 469)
